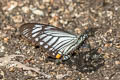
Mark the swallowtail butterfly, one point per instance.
(57, 42)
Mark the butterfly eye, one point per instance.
(55, 41)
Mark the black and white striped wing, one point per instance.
(52, 39)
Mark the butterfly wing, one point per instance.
(52, 39)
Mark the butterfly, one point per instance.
(57, 42)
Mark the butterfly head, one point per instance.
(82, 37)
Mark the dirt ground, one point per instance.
(20, 60)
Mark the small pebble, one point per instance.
(71, 8)
(108, 45)
(2, 48)
(117, 62)
(68, 2)
(11, 5)
(118, 45)
(107, 55)
(77, 30)
(17, 19)
(53, 14)
(11, 69)
(60, 76)
(110, 14)
(25, 9)
(9, 28)
(17, 52)
(38, 12)
(107, 78)
(1, 77)
(46, 1)
(53, 22)
(6, 39)
(32, 61)
(2, 74)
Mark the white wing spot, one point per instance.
(41, 43)
(46, 46)
(53, 53)
(36, 39)
(50, 49)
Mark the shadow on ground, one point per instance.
(84, 62)
(87, 61)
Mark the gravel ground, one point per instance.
(20, 60)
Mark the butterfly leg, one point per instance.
(89, 45)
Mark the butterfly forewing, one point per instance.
(51, 38)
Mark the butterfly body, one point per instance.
(55, 41)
